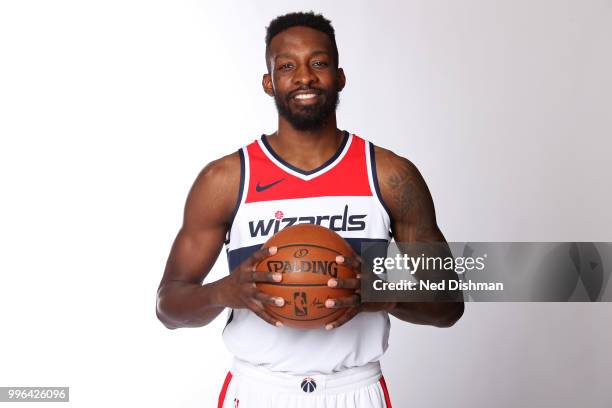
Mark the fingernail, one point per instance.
(329, 326)
(329, 303)
(279, 301)
(272, 250)
(339, 259)
(277, 277)
(332, 283)
(279, 324)
(358, 276)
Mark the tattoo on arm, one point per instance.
(402, 192)
(411, 203)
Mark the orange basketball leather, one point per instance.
(307, 259)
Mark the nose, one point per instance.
(304, 75)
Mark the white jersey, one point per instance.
(343, 195)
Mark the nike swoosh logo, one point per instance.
(259, 188)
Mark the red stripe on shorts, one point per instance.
(383, 384)
(228, 378)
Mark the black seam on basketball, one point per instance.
(273, 313)
(310, 245)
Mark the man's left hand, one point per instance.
(352, 304)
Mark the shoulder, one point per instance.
(390, 165)
(216, 172)
(215, 190)
(402, 186)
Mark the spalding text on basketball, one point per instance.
(321, 267)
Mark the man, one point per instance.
(309, 169)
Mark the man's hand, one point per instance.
(238, 290)
(352, 304)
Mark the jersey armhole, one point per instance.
(371, 158)
(230, 317)
(241, 153)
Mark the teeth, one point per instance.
(305, 96)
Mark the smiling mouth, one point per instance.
(305, 96)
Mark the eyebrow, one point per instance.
(286, 55)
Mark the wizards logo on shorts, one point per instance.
(335, 222)
(308, 385)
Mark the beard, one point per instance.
(308, 117)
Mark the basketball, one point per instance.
(306, 258)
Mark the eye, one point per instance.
(285, 66)
(320, 64)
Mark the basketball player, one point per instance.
(314, 171)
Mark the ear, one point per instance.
(341, 79)
(266, 83)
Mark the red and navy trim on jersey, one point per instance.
(341, 194)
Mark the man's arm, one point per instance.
(413, 219)
(182, 300)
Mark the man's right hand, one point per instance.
(238, 290)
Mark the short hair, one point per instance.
(304, 19)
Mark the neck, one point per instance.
(306, 149)
(327, 131)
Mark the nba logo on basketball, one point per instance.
(308, 385)
(300, 303)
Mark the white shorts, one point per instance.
(249, 386)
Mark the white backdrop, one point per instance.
(108, 110)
